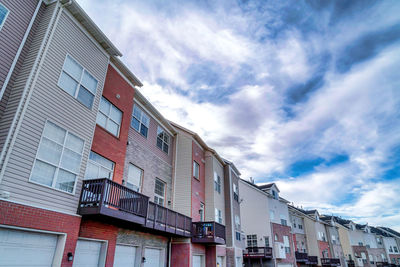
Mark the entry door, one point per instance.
(220, 261)
(87, 253)
(153, 257)
(23, 248)
(124, 256)
(197, 261)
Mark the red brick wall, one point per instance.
(104, 143)
(394, 256)
(324, 246)
(358, 249)
(35, 218)
(280, 231)
(198, 186)
(211, 256)
(180, 254)
(103, 231)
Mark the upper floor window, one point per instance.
(159, 192)
(162, 139)
(238, 236)
(140, 121)
(58, 158)
(266, 241)
(99, 167)
(201, 211)
(395, 249)
(235, 192)
(275, 194)
(109, 117)
(379, 240)
(196, 170)
(78, 82)
(3, 15)
(360, 244)
(217, 183)
(300, 226)
(218, 215)
(135, 175)
(251, 241)
(237, 221)
(283, 220)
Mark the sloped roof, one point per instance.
(379, 231)
(391, 231)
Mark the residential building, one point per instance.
(344, 238)
(335, 245)
(256, 225)
(392, 244)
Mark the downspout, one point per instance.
(28, 30)
(169, 252)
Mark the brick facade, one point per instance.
(324, 246)
(18, 215)
(358, 250)
(280, 231)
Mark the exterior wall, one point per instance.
(142, 240)
(356, 237)
(394, 258)
(300, 242)
(255, 205)
(390, 242)
(334, 242)
(183, 174)
(12, 214)
(13, 31)
(280, 231)
(312, 242)
(141, 153)
(345, 242)
(236, 211)
(180, 254)
(370, 240)
(324, 246)
(49, 102)
(198, 186)
(377, 254)
(104, 143)
(357, 250)
(103, 231)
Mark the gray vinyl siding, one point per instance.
(183, 199)
(228, 208)
(49, 102)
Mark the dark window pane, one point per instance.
(85, 97)
(143, 130)
(159, 143)
(135, 123)
(165, 148)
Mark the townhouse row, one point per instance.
(91, 174)
(280, 234)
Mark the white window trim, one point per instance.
(5, 17)
(109, 118)
(217, 183)
(163, 141)
(140, 120)
(57, 168)
(98, 164)
(159, 196)
(141, 177)
(197, 164)
(79, 82)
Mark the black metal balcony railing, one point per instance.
(208, 232)
(330, 262)
(105, 197)
(258, 252)
(312, 260)
(301, 256)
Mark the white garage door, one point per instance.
(197, 261)
(87, 253)
(124, 256)
(220, 261)
(22, 248)
(152, 256)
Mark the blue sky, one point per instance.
(302, 93)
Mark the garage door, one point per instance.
(87, 253)
(124, 256)
(152, 256)
(21, 248)
(197, 261)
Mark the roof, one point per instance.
(127, 73)
(360, 226)
(232, 165)
(390, 231)
(379, 231)
(84, 19)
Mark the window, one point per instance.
(266, 241)
(235, 192)
(276, 237)
(3, 15)
(218, 215)
(99, 167)
(371, 259)
(251, 241)
(283, 220)
(201, 212)
(162, 139)
(333, 239)
(294, 224)
(272, 214)
(237, 221)
(274, 194)
(300, 226)
(135, 175)
(379, 240)
(395, 249)
(140, 121)
(109, 117)
(159, 192)
(238, 236)
(196, 170)
(77, 82)
(360, 244)
(286, 244)
(58, 158)
(390, 249)
(217, 183)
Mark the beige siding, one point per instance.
(182, 202)
(49, 102)
(312, 243)
(345, 241)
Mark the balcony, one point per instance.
(330, 262)
(351, 263)
(301, 256)
(312, 260)
(257, 252)
(107, 198)
(208, 233)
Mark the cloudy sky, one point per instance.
(302, 93)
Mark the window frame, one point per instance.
(96, 163)
(157, 195)
(236, 192)
(250, 239)
(108, 117)
(77, 89)
(202, 212)
(135, 104)
(218, 216)
(217, 183)
(58, 166)
(193, 172)
(141, 177)
(5, 17)
(163, 143)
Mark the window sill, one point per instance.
(104, 129)
(138, 132)
(53, 188)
